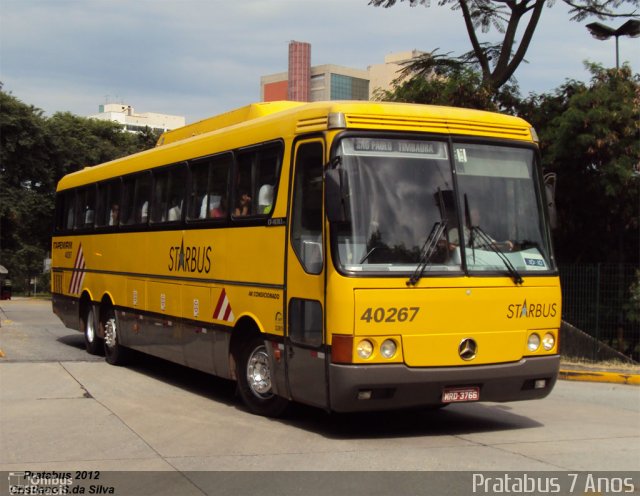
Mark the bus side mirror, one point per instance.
(336, 200)
(550, 196)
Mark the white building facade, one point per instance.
(133, 122)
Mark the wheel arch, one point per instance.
(245, 328)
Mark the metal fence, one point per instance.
(597, 300)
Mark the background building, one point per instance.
(132, 122)
(303, 82)
(382, 76)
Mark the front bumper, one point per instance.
(398, 386)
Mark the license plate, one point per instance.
(454, 395)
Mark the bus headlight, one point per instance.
(533, 342)
(388, 348)
(364, 349)
(548, 341)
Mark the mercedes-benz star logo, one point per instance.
(468, 349)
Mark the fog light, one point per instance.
(540, 384)
(548, 341)
(534, 342)
(388, 348)
(365, 394)
(364, 349)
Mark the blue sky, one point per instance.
(198, 58)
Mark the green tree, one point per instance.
(498, 62)
(440, 80)
(590, 136)
(23, 145)
(35, 152)
(77, 142)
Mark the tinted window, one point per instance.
(257, 175)
(168, 194)
(209, 186)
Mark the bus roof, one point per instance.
(273, 120)
(237, 116)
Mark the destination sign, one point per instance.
(381, 146)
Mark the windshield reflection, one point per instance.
(399, 190)
(502, 212)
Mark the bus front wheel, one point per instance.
(254, 380)
(114, 353)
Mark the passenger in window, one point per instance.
(244, 204)
(88, 217)
(114, 215)
(217, 207)
(70, 216)
(265, 199)
(175, 211)
(144, 212)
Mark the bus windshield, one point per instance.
(404, 214)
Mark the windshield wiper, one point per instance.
(367, 255)
(486, 241)
(428, 249)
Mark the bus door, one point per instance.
(305, 278)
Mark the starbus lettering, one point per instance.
(531, 310)
(190, 258)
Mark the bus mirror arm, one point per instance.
(337, 195)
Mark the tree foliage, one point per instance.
(35, 152)
(590, 136)
(498, 62)
(439, 80)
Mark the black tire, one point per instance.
(253, 370)
(92, 342)
(114, 352)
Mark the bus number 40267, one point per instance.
(392, 314)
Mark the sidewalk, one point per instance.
(597, 373)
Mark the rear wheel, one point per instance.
(114, 352)
(92, 342)
(254, 380)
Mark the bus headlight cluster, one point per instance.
(388, 349)
(365, 349)
(533, 343)
(548, 342)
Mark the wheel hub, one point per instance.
(110, 333)
(259, 373)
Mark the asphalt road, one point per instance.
(62, 409)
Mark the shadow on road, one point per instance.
(454, 420)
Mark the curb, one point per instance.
(598, 376)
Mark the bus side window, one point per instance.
(126, 208)
(168, 194)
(243, 201)
(305, 321)
(306, 211)
(177, 183)
(58, 222)
(142, 197)
(112, 204)
(257, 175)
(219, 186)
(68, 215)
(101, 208)
(85, 203)
(198, 198)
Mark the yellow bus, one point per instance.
(347, 255)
